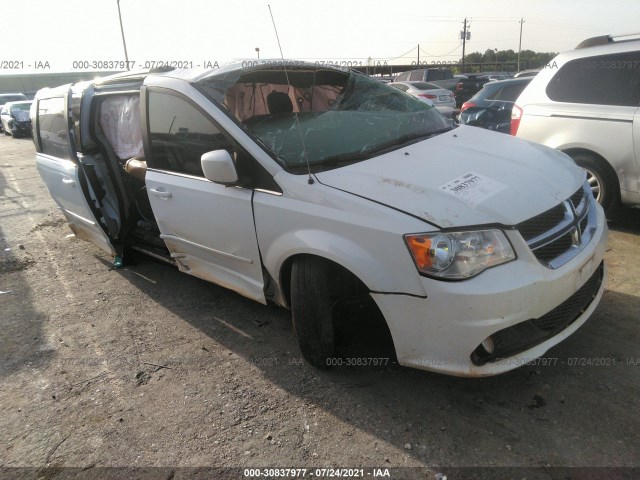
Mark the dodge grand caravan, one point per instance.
(310, 186)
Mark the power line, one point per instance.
(443, 55)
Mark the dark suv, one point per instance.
(490, 108)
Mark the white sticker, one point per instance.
(472, 188)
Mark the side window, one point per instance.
(511, 92)
(435, 75)
(416, 75)
(495, 95)
(402, 77)
(180, 134)
(603, 80)
(52, 127)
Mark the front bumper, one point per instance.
(21, 129)
(441, 332)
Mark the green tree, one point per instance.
(506, 60)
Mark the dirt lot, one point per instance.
(146, 366)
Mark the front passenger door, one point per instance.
(208, 228)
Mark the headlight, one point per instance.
(459, 255)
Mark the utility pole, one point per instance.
(418, 55)
(520, 44)
(126, 56)
(463, 34)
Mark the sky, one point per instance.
(76, 35)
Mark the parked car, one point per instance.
(10, 97)
(441, 97)
(490, 108)
(15, 120)
(443, 77)
(316, 188)
(468, 87)
(526, 73)
(586, 105)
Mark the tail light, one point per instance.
(466, 105)
(516, 116)
(427, 95)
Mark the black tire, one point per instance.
(603, 181)
(311, 311)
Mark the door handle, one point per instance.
(68, 181)
(160, 193)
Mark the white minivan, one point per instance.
(310, 186)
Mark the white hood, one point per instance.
(519, 179)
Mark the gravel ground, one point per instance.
(148, 367)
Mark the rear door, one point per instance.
(58, 166)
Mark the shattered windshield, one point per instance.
(325, 117)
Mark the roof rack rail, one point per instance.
(606, 39)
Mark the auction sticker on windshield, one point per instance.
(472, 188)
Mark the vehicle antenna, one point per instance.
(310, 181)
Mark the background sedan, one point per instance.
(441, 97)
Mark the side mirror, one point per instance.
(218, 167)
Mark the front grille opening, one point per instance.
(525, 335)
(584, 223)
(541, 223)
(554, 249)
(576, 198)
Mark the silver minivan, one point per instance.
(585, 103)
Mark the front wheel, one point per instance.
(312, 310)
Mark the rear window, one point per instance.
(52, 128)
(434, 75)
(426, 86)
(602, 80)
(511, 92)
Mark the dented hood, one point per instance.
(468, 176)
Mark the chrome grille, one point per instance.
(541, 223)
(557, 235)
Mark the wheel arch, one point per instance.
(286, 267)
(571, 151)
